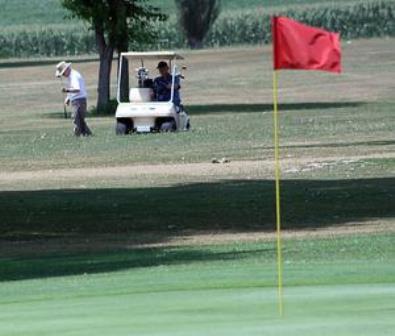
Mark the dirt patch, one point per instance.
(235, 169)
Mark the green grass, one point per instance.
(28, 12)
(240, 23)
(233, 205)
(218, 130)
(35, 12)
(62, 271)
(263, 5)
(321, 114)
(342, 286)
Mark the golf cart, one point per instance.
(142, 113)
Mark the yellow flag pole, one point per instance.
(277, 179)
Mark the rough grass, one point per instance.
(326, 134)
(215, 134)
(321, 113)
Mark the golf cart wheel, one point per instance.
(123, 126)
(168, 126)
(165, 125)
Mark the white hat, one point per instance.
(61, 68)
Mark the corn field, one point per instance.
(52, 41)
(371, 19)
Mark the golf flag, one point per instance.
(298, 46)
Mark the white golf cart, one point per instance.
(142, 114)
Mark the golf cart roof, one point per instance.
(153, 55)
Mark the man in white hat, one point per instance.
(76, 96)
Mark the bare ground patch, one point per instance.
(189, 171)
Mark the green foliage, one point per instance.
(196, 18)
(372, 19)
(120, 21)
(115, 23)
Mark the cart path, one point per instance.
(248, 169)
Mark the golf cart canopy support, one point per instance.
(153, 55)
(148, 55)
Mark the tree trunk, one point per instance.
(195, 43)
(106, 54)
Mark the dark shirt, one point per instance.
(163, 93)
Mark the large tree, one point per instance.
(117, 24)
(196, 18)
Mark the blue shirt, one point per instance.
(162, 93)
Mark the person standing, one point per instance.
(76, 96)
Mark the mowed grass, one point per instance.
(263, 5)
(55, 278)
(345, 123)
(229, 99)
(238, 205)
(236, 134)
(50, 12)
(342, 286)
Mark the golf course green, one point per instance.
(333, 286)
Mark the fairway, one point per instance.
(342, 286)
(322, 114)
(146, 235)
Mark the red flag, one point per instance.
(298, 46)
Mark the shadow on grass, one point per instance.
(249, 108)
(239, 108)
(227, 205)
(237, 206)
(345, 144)
(94, 262)
(372, 143)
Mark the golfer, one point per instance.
(76, 96)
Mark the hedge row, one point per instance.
(372, 19)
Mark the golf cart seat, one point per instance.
(140, 95)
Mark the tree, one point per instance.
(116, 23)
(196, 18)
